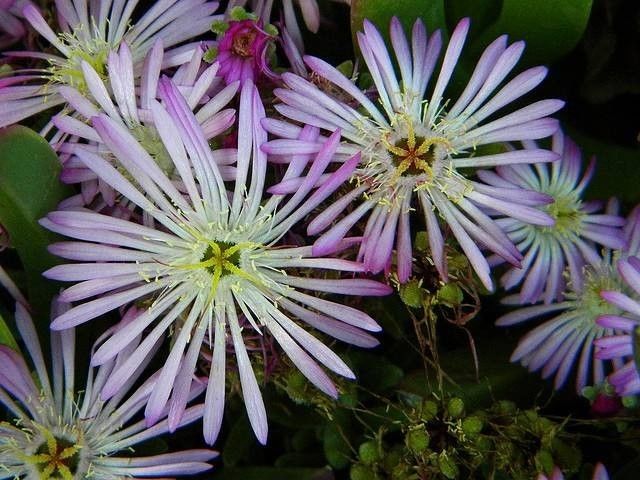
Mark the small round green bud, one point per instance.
(239, 13)
(505, 407)
(346, 68)
(421, 242)
(447, 466)
(401, 472)
(411, 293)
(271, 29)
(630, 401)
(392, 458)
(417, 440)
(429, 410)
(483, 443)
(210, 55)
(361, 472)
(369, 452)
(455, 407)
(450, 294)
(544, 461)
(590, 393)
(472, 425)
(219, 27)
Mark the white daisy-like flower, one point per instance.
(88, 31)
(60, 433)
(415, 149)
(212, 257)
(566, 340)
(129, 106)
(580, 229)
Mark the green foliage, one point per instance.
(616, 169)
(29, 189)
(6, 337)
(380, 13)
(335, 440)
(551, 28)
(238, 442)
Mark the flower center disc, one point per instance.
(413, 158)
(565, 210)
(243, 43)
(56, 458)
(221, 258)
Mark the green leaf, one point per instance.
(6, 337)
(29, 189)
(616, 168)
(497, 377)
(238, 442)
(334, 439)
(551, 28)
(380, 12)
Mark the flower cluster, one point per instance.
(223, 200)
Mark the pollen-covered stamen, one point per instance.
(69, 71)
(243, 43)
(56, 457)
(221, 259)
(590, 301)
(566, 210)
(413, 154)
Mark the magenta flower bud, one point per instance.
(242, 52)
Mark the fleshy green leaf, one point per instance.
(6, 337)
(551, 28)
(334, 439)
(380, 12)
(238, 442)
(29, 188)
(616, 168)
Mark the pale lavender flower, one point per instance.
(625, 345)
(580, 227)
(599, 473)
(213, 257)
(566, 339)
(88, 31)
(58, 433)
(129, 106)
(414, 149)
(12, 26)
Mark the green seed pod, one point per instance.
(392, 458)
(429, 410)
(472, 425)
(411, 294)
(417, 440)
(447, 466)
(361, 472)
(369, 452)
(544, 461)
(421, 242)
(505, 407)
(450, 294)
(455, 407)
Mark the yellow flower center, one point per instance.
(565, 210)
(221, 259)
(56, 458)
(69, 71)
(412, 154)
